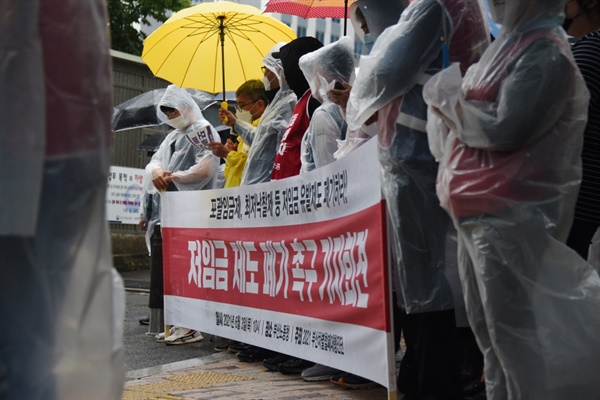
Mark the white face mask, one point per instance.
(179, 122)
(244, 115)
(267, 83)
(497, 10)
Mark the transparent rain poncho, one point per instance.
(194, 168)
(61, 300)
(508, 136)
(264, 138)
(378, 17)
(322, 68)
(390, 81)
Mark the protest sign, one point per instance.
(123, 195)
(296, 265)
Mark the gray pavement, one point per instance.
(195, 371)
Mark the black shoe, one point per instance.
(294, 366)
(145, 321)
(221, 347)
(351, 381)
(272, 364)
(255, 354)
(237, 347)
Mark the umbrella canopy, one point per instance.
(311, 8)
(140, 111)
(213, 47)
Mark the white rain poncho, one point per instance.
(377, 18)
(264, 139)
(322, 68)
(509, 144)
(61, 302)
(390, 81)
(194, 168)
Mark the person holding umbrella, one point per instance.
(178, 165)
(251, 101)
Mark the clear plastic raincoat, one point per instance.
(509, 141)
(322, 68)
(377, 18)
(390, 81)
(194, 168)
(264, 138)
(61, 301)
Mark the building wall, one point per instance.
(131, 77)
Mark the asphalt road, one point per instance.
(142, 351)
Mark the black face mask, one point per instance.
(569, 21)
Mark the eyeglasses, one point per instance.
(240, 107)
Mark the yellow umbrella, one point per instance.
(213, 47)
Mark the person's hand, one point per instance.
(223, 113)
(161, 179)
(231, 145)
(340, 96)
(143, 224)
(218, 149)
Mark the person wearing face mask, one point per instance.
(178, 165)
(266, 135)
(322, 69)
(582, 21)
(251, 101)
(388, 89)
(287, 160)
(509, 136)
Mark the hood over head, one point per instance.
(331, 63)
(181, 100)
(526, 14)
(274, 64)
(290, 55)
(378, 14)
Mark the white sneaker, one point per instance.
(160, 338)
(183, 336)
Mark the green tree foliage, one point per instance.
(124, 13)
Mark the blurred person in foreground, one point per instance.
(264, 138)
(582, 21)
(388, 89)
(509, 139)
(178, 165)
(60, 298)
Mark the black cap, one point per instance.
(298, 47)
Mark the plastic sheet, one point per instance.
(60, 299)
(509, 137)
(264, 138)
(322, 68)
(392, 86)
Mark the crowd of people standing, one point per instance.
(479, 139)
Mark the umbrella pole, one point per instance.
(345, 15)
(222, 35)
